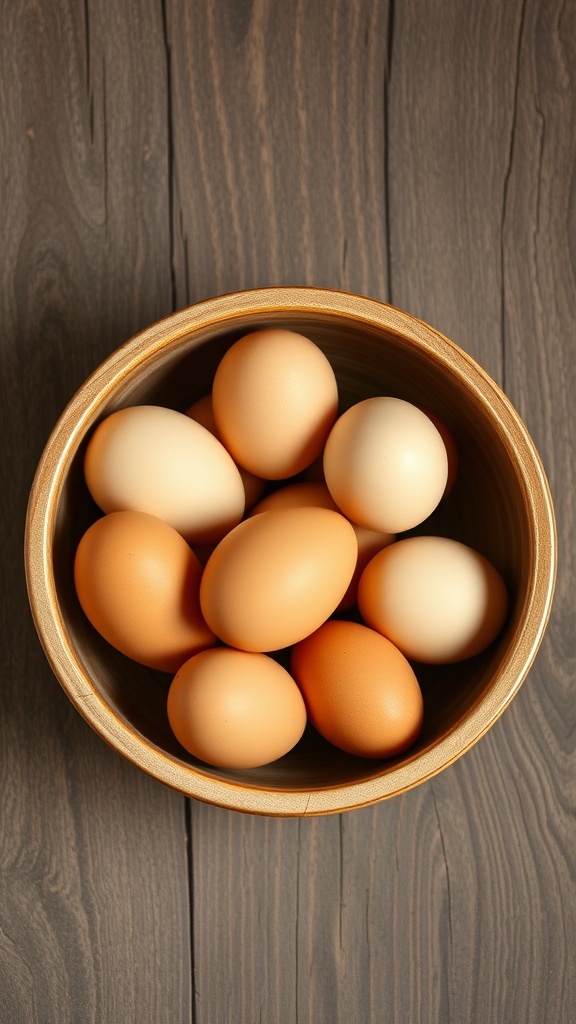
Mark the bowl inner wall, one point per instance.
(486, 510)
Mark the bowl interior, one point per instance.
(486, 509)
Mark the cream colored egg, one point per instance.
(275, 399)
(316, 494)
(202, 412)
(150, 459)
(385, 464)
(437, 600)
(235, 709)
(138, 583)
(277, 576)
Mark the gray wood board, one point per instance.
(156, 154)
(94, 895)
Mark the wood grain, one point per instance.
(94, 918)
(277, 136)
(507, 810)
(153, 154)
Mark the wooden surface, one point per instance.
(153, 154)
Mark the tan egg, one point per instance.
(438, 600)
(385, 464)
(275, 399)
(306, 494)
(298, 495)
(138, 583)
(361, 693)
(202, 412)
(314, 473)
(277, 576)
(235, 709)
(369, 544)
(147, 458)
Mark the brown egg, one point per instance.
(202, 412)
(138, 583)
(277, 576)
(275, 399)
(235, 709)
(361, 693)
(316, 494)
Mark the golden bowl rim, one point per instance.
(83, 409)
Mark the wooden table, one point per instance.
(154, 154)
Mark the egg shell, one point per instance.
(150, 459)
(235, 709)
(275, 398)
(438, 600)
(385, 464)
(138, 583)
(361, 693)
(203, 413)
(277, 576)
(316, 494)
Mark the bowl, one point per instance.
(500, 505)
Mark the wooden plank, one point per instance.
(94, 921)
(277, 134)
(482, 247)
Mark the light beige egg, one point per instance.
(147, 458)
(202, 412)
(437, 600)
(138, 583)
(277, 576)
(385, 464)
(361, 693)
(275, 399)
(309, 493)
(235, 709)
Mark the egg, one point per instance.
(202, 412)
(310, 493)
(314, 473)
(361, 693)
(437, 599)
(138, 583)
(235, 709)
(150, 459)
(385, 464)
(275, 398)
(277, 576)
(304, 494)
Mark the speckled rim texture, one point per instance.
(63, 444)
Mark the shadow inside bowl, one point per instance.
(486, 509)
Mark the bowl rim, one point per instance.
(172, 332)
